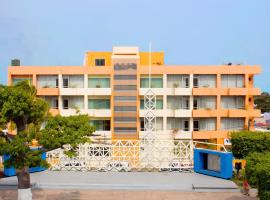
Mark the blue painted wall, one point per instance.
(226, 166)
(12, 171)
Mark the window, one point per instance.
(159, 104)
(98, 82)
(56, 83)
(195, 104)
(98, 104)
(47, 81)
(125, 119)
(65, 103)
(125, 87)
(128, 66)
(125, 98)
(186, 82)
(16, 80)
(101, 125)
(100, 62)
(155, 82)
(195, 81)
(186, 125)
(177, 102)
(125, 77)
(232, 81)
(65, 82)
(125, 108)
(196, 126)
(125, 129)
(55, 103)
(232, 123)
(232, 102)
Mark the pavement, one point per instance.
(71, 194)
(173, 181)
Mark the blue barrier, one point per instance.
(11, 171)
(213, 163)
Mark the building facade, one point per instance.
(192, 102)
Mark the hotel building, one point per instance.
(192, 102)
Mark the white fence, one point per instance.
(127, 155)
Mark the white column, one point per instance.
(165, 102)
(60, 81)
(191, 102)
(191, 124)
(85, 96)
(191, 81)
(85, 102)
(85, 80)
(60, 86)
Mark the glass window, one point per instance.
(125, 129)
(65, 103)
(125, 87)
(125, 98)
(125, 119)
(159, 104)
(155, 82)
(186, 125)
(65, 82)
(125, 77)
(100, 62)
(125, 108)
(16, 80)
(101, 125)
(196, 125)
(98, 103)
(94, 82)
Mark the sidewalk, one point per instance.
(52, 194)
(176, 181)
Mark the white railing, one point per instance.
(126, 155)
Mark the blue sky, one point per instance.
(191, 32)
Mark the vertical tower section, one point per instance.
(125, 93)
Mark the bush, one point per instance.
(258, 173)
(245, 142)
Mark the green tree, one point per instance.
(20, 105)
(263, 102)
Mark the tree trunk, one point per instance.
(24, 186)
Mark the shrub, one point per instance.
(245, 142)
(258, 173)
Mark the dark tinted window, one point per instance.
(100, 62)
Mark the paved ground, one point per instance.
(123, 180)
(125, 195)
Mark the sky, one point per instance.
(190, 32)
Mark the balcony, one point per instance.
(90, 112)
(72, 91)
(98, 112)
(254, 113)
(86, 91)
(47, 91)
(179, 91)
(99, 135)
(205, 91)
(178, 113)
(254, 91)
(157, 91)
(158, 113)
(205, 113)
(200, 135)
(180, 134)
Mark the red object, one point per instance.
(245, 184)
